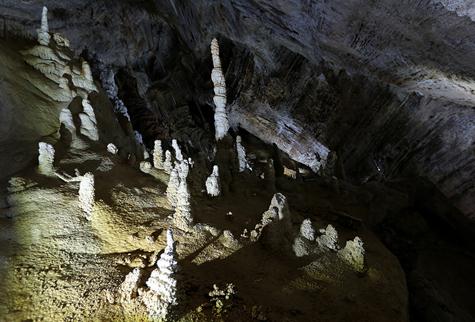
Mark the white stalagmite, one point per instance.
(112, 148)
(172, 187)
(43, 33)
(212, 183)
(182, 217)
(86, 194)
(88, 121)
(306, 230)
(221, 122)
(128, 288)
(329, 238)
(158, 155)
(167, 165)
(276, 224)
(162, 283)
(183, 170)
(45, 158)
(353, 254)
(241, 154)
(176, 147)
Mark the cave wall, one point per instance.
(388, 85)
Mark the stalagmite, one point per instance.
(353, 254)
(43, 33)
(172, 187)
(112, 148)
(212, 183)
(162, 294)
(86, 194)
(158, 155)
(221, 122)
(176, 147)
(241, 154)
(145, 167)
(88, 121)
(182, 217)
(128, 288)
(45, 158)
(275, 226)
(329, 238)
(304, 243)
(167, 165)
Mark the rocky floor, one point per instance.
(57, 266)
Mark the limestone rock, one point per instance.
(87, 194)
(212, 183)
(145, 167)
(88, 121)
(45, 158)
(353, 254)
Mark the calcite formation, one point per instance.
(328, 238)
(167, 164)
(162, 295)
(353, 254)
(111, 148)
(182, 217)
(45, 158)
(88, 121)
(304, 243)
(87, 194)
(172, 187)
(158, 154)
(221, 122)
(241, 154)
(145, 166)
(43, 33)
(129, 287)
(212, 183)
(275, 228)
(176, 147)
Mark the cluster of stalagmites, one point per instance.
(161, 294)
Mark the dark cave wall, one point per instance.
(337, 72)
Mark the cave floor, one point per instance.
(60, 267)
